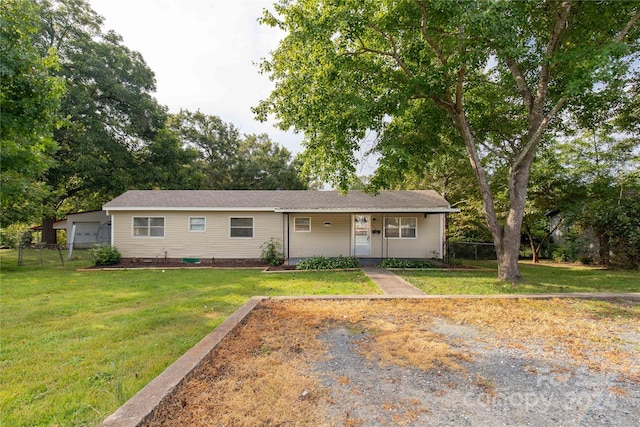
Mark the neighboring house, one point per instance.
(234, 224)
(86, 229)
(557, 229)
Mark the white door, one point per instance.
(362, 235)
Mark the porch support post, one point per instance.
(442, 234)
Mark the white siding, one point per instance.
(179, 242)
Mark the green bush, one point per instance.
(403, 263)
(324, 263)
(272, 252)
(15, 235)
(104, 255)
(394, 263)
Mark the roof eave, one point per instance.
(273, 209)
(185, 208)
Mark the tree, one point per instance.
(108, 105)
(502, 72)
(230, 161)
(264, 165)
(216, 141)
(165, 163)
(551, 189)
(29, 101)
(595, 182)
(424, 153)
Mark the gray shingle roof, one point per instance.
(280, 200)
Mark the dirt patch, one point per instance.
(420, 362)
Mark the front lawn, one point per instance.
(538, 279)
(76, 345)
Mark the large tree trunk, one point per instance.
(49, 236)
(506, 238)
(508, 251)
(510, 238)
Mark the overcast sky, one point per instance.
(204, 55)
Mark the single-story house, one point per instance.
(85, 229)
(234, 224)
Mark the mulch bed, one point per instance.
(178, 263)
(131, 263)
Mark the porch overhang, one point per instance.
(372, 210)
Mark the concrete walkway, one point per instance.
(391, 284)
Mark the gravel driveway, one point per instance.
(418, 363)
(500, 386)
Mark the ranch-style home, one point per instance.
(234, 224)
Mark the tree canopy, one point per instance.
(30, 96)
(503, 74)
(80, 123)
(227, 160)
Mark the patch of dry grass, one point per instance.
(256, 377)
(261, 373)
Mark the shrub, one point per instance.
(15, 235)
(394, 263)
(324, 263)
(104, 255)
(272, 252)
(403, 263)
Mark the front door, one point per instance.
(362, 235)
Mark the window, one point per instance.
(392, 228)
(302, 224)
(148, 227)
(241, 227)
(197, 224)
(400, 228)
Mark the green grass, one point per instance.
(538, 279)
(76, 345)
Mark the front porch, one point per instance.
(370, 237)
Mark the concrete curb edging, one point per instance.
(142, 405)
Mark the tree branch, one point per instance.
(627, 27)
(428, 39)
(459, 88)
(534, 137)
(552, 46)
(394, 54)
(492, 150)
(521, 83)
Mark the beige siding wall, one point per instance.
(179, 242)
(215, 242)
(426, 245)
(330, 241)
(338, 239)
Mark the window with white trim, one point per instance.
(400, 228)
(148, 226)
(302, 224)
(241, 227)
(197, 223)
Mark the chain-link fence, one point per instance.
(40, 255)
(470, 250)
